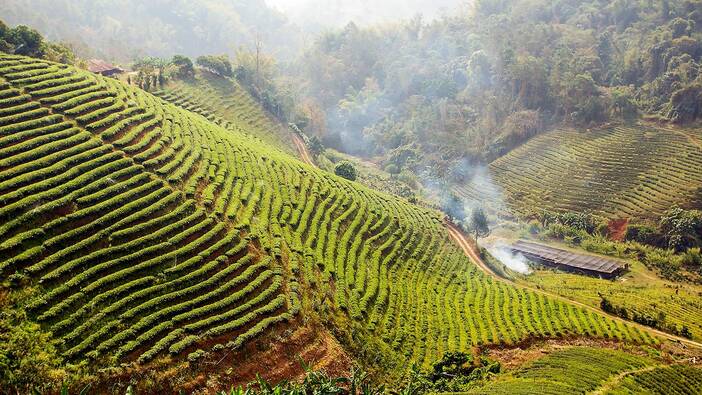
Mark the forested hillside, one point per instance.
(470, 87)
(123, 30)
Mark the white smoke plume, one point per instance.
(516, 262)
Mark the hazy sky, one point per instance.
(330, 13)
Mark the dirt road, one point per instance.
(302, 149)
(460, 239)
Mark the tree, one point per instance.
(586, 100)
(684, 105)
(5, 45)
(480, 70)
(26, 41)
(315, 145)
(479, 223)
(622, 104)
(680, 27)
(184, 66)
(60, 53)
(682, 228)
(451, 365)
(644, 234)
(216, 64)
(23, 40)
(346, 170)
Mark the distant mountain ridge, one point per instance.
(122, 30)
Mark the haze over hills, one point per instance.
(124, 30)
(495, 197)
(315, 15)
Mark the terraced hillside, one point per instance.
(111, 202)
(146, 230)
(675, 305)
(662, 380)
(579, 370)
(624, 171)
(226, 103)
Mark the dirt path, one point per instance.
(460, 239)
(691, 138)
(302, 149)
(614, 380)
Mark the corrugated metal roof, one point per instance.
(567, 258)
(101, 66)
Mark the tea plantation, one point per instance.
(224, 102)
(149, 230)
(579, 370)
(617, 172)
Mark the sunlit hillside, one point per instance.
(144, 230)
(577, 369)
(633, 171)
(228, 104)
(259, 197)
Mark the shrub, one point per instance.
(184, 66)
(346, 170)
(217, 64)
(644, 234)
(692, 257)
(682, 228)
(28, 356)
(534, 227)
(315, 146)
(557, 231)
(196, 355)
(392, 168)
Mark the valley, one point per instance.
(298, 211)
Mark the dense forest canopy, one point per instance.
(470, 87)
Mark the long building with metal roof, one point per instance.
(569, 261)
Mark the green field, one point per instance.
(580, 370)
(617, 172)
(224, 102)
(663, 380)
(640, 291)
(144, 230)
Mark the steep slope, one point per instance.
(618, 172)
(661, 380)
(136, 255)
(226, 103)
(146, 230)
(578, 370)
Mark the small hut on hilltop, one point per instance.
(99, 66)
